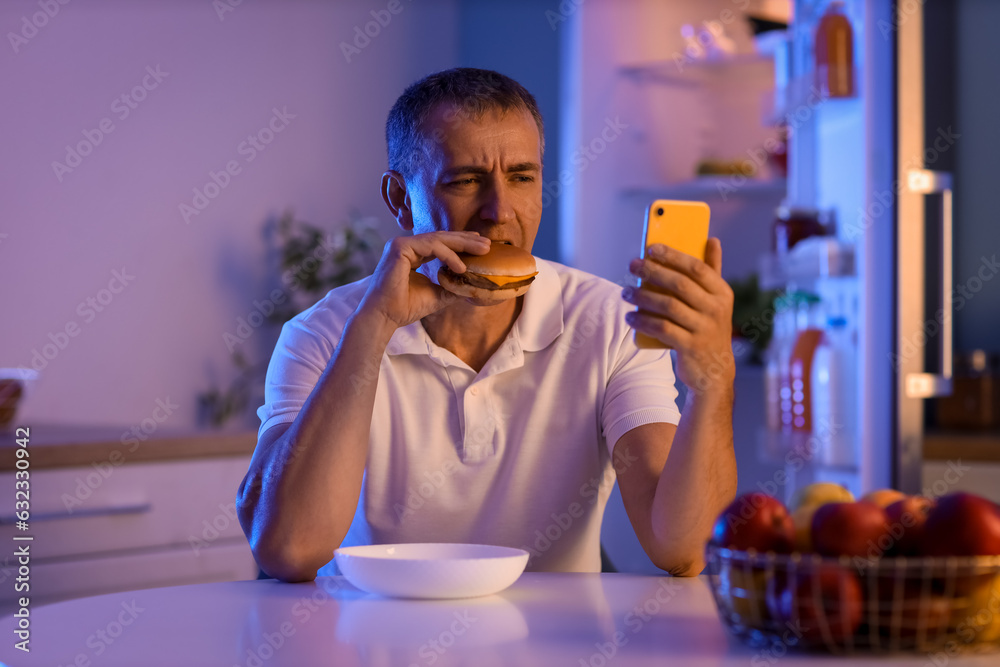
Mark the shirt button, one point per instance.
(474, 391)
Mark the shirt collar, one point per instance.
(541, 318)
(540, 321)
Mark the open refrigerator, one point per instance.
(862, 337)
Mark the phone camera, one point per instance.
(659, 211)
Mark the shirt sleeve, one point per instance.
(299, 358)
(641, 390)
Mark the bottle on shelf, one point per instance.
(777, 388)
(832, 390)
(834, 53)
(807, 340)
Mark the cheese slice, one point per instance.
(500, 281)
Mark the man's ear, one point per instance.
(395, 196)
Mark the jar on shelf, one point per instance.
(793, 224)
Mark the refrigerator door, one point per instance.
(875, 229)
(919, 374)
(843, 158)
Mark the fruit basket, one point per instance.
(844, 605)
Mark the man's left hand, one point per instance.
(686, 304)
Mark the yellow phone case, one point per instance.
(682, 225)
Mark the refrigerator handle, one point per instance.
(928, 385)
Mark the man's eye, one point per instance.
(463, 181)
(525, 179)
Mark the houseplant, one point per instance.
(310, 262)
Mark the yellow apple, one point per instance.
(802, 521)
(820, 493)
(979, 618)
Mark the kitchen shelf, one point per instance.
(64, 446)
(810, 450)
(693, 73)
(711, 188)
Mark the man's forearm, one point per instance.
(303, 491)
(698, 481)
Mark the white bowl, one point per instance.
(431, 570)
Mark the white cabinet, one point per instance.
(979, 477)
(104, 529)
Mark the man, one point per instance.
(396, 411)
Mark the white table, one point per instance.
(543, 619)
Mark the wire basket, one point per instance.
(845, 605)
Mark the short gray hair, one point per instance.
(474, 92)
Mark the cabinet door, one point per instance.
(226, 560)
(104, 509)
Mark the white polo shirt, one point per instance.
(518, 454)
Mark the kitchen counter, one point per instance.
(965, 445)
(108, 514)
(62, 446)
(544, 620)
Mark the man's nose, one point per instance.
(497, 205)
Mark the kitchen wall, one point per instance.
(520, 39)
(121, 282)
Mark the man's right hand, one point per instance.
(298, 499)
(398, 293)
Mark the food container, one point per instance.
(854, 606)
(974, 402)
(14, 386)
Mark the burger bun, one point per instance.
(503, 260)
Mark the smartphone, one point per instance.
(682, 225)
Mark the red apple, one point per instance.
(906, 524)
(962, 524)
(755, 521)
(818, 596)
(851, 529)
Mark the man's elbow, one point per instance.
(283, 563)
(690, 567)
(277, 557)
(681, 563)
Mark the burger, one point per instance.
(505, 272)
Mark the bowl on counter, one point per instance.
(435, 571)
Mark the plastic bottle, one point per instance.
(783, 357)
(832, 389)
(834, 53)
(801, 363)
(776, 365)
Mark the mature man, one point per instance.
(396, 411)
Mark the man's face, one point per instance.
(481, 175)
